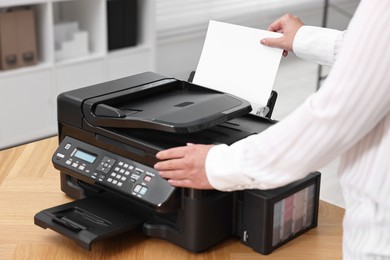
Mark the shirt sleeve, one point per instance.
(352, 101)
(318, 45)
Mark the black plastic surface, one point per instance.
(201, 222)
(89, 219)
(167, 105)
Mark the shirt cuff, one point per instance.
(226, 174)
(316, 44)
(218, 174)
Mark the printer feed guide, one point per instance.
(111, 171)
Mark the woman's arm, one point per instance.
(315, 44)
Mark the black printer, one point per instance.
(109, 134)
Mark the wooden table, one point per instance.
(29, 184)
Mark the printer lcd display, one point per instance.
(85, 156)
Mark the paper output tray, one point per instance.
(167, 105)
(90, 219)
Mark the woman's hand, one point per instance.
(288, 25)
(185, 166)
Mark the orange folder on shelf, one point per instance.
(26, 36)
(8, 41)
(18, 43)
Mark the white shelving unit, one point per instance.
(28, 95)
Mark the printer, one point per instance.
(109, 134)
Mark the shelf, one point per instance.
(24, 70)
(16, 3)
(80, 59)
(129, 51)
(38, 85)
(90, 17)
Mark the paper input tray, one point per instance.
(86, 220)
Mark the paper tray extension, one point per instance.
(90, 219)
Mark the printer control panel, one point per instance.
(95, 165)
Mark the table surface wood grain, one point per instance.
(29, 184)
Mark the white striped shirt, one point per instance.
(348, 117)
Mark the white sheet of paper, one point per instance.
(234, 61)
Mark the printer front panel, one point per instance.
(106, 169)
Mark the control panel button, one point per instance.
(134, 176)
(137, 188)
(143, 190)
(106, 164)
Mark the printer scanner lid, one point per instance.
(153, 101)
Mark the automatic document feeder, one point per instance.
(108, 137)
